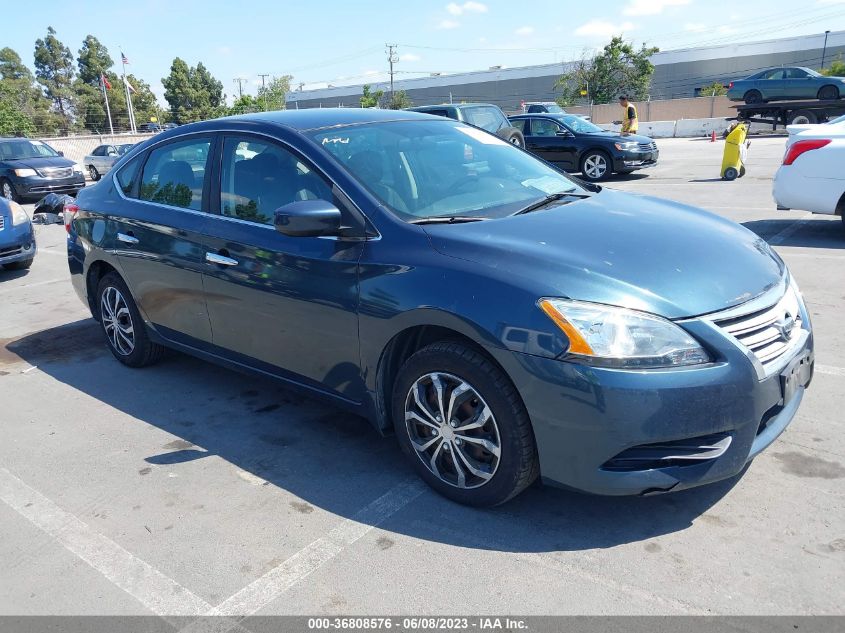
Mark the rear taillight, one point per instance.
(730, 85)
(71, 209)
(796, 149)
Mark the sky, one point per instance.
(341, 42)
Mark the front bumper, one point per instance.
(631, 161)
(584, 417)
(17, 243)
(35, 186)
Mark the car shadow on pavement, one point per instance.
(816, 232)
(328, 458)
(9, 275)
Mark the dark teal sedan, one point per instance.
(783, 84)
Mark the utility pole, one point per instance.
(240, 81)
(824, 50)
(263, 91)
(392, 58)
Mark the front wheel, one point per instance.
(22, 264)
(8, 191)
(463, 425)
(123, 326)
(730, 174)
(595, 166)
(828, 93)
(92, 171)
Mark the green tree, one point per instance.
(836, 69)
(93, 60)
(400, 101)
(25, 108)
(246, 104)
(13, 120)
(371, 99)
(716, 89)
(11, 66)
(274, 93)
(618, 69)
(192, 93)
(54, 71)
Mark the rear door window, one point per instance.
(174, 174)
(485, 118)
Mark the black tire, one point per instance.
(7, 190)
(22, 264)
(517, 466)
(828, 93)
(742, 171)
(753, 96)
(730, 174)
(802, 117)
(596, 155)
(516, 138)
(144, 352)
(92, 171)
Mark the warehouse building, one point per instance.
(678, 73)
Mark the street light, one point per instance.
(824, 49)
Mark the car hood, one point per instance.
(622, 249)
(41, 162)
(616, 136)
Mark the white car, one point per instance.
(812, 177)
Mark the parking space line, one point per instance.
(32, 285)
(778, 238)
(157, 592)
(832, 371)
(278, 580)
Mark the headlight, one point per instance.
(618, 337)
(19, 216)
(627, 146)
(22, 173)
(77, 168)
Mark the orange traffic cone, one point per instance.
(713, 136)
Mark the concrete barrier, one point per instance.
(653, 129)
(688, 128)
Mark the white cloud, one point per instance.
(448, 24)
(467, 7)
(651, 7)
(603, 28)
(524, 30)
(695, 27)
(409, 57)
(224, 50)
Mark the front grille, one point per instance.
(2, 222)
(10, 250)
(769, 333)
(648, 147)
(56, 172)
(686, 452)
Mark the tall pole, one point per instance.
(129, 109)
(240, 81)
(106, 99)
(391, 59)
(824, 49)
(263, 90)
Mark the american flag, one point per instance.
(123, 58)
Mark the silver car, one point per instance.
(102, 158)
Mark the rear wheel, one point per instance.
(803, 117)
(742, 171)
(123, 326)
(595, 166)
(463, 425)
(753, 96)
(730, 174)
(92, 171)
(828, 93)
(516, 138)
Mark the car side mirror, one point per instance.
(61, 153)
(563, 133)
(308, 218)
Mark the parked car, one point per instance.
(502, 318)
(811, 177)
(775, 84)
(156, 127)
(102, 158)
(17, 238)
(576, 145)
(483, 115)
(29, 169)
(540, 107)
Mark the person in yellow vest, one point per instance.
(629, 121)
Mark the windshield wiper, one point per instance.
(552, 198)
(441, 219)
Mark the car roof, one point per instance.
(314, 118)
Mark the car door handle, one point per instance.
(127, 239)
(216, 258)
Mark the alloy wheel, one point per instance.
(452, 430)
(117, 321)
(92, 171)
(7, 191)
(595, 166)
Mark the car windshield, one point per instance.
(16, 150)
(579, 125)
(429, 169)
(555, 108)
(122, 149)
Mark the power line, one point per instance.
(240, 81)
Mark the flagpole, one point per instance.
(129, 109)
(106, 98)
